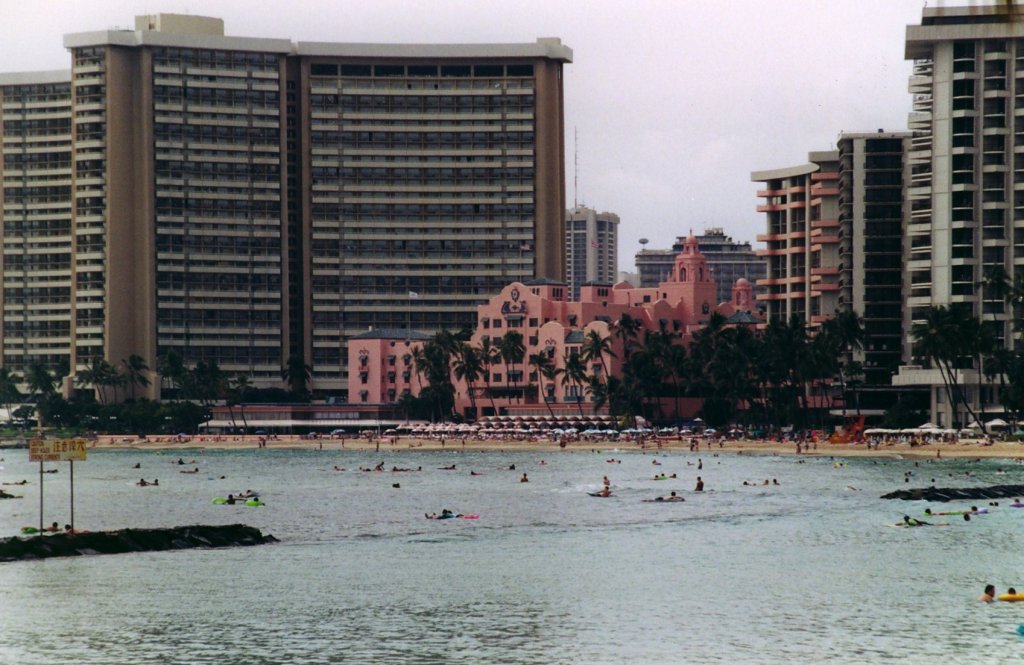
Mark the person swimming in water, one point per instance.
(700, 485)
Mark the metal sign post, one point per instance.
(40, 497)
(41, 450)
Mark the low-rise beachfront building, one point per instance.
(383, 363)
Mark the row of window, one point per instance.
(420, 70)
(215, 59)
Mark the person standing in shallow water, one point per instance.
(700, 485)
(989, 595)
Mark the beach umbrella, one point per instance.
(998, 423)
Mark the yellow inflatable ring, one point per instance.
(1011, 597)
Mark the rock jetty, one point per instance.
(943, 494)
(130, 540)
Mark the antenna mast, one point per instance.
(575, 166)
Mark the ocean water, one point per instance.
(806, 571)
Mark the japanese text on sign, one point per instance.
(41, 450)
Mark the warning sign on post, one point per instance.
(41, 450)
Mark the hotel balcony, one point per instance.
(776, 237)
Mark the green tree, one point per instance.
(173, 373)
(488, 357)
(135, 369)
(595, 348)
(940, 340)
(625, 329)
(545, 369)
(9, 393)
(99, 375)
(512, 351)
(39, 380)
(297, 374)
(574, 375)
(468, 366)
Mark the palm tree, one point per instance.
(512, 350)
(626, 329)
(574, 374)
(419, 364)
(541, 363)
(942, 340)
(9, 393)
(39, 380)
(468, 366)
(99, 375)
(207, 382)
(172, 370)
(596, 348)
(135, 372)
(488, 356)
(297, 374)
(240, 387)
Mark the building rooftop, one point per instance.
(543, 281)
(391, 333)
(36, 78)
(189, 31)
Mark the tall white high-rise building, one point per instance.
(591, 248)
(966, 193)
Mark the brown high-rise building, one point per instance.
(245, 201)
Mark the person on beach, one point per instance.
(700, 485)
(989, 595)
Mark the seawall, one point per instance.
(131, 540)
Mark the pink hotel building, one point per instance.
(381, 361)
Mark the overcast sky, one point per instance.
(675, 102)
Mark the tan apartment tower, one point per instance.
(802, 215)
(244, 201)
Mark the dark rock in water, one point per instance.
(944, 494)
(130, 540)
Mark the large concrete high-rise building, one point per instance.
(591, 248)
(967, 176)
(873, 173)
(728, 261)
(36, 258)
(801, 204)
(245, 200)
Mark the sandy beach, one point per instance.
(961, 449)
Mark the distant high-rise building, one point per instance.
(966, 193)
(727, 259)
(244, 201)
(37, 261)
(801, 207)
(591, 248)
(873, 171)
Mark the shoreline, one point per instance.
(951, 450)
